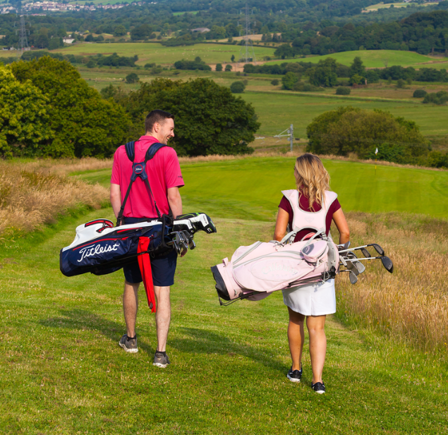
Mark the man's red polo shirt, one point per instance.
(163, 172)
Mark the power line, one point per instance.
(247, 53)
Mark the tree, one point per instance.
(24, 119)
(275, 82)
(237, 87)
(132, 78)
(83, 123)
(343, 90)
(400, 83)
(438, 98)
(289, 80)
(141, 32)
(209, 119)
(232, 58)
(357, 67)
(347, 130)
(324, 73)
(228, 67)
(120, 30)
(419, 93)
(218, 67)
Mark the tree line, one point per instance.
(48, 110)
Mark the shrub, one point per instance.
(419, 93)
(438, 98)
(305, 87)
(400, 83)
(237, 87)
(132, 78)
(289, 80)
(342, 90)
(275, 82)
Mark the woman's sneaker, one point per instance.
(161, 359)
(294, 376)
(128, 344)
(318, 387)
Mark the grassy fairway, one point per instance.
(64, 373)
(251, 188)
(277, 111)
(147, 53)
(372, 58)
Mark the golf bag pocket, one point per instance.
(112, 248)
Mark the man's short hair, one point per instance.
(156, 116)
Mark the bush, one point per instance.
(218, 67)
(132, 78)
(438, 98)
(209, 119)
(400, 83)
(419, 93)
(342, 90)
(228, 68)
(289, 80)
(237, 87)
(275, 82)
(305, 87)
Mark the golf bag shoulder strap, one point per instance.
(139, 170)
(150, 153)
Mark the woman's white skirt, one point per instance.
(317, 299)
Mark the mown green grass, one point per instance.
(371, 58)
(64, 373)
(251, 188)
(154, 52)
(277, 111)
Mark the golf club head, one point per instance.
(344, 246)
(353, 277)
(378, 248)
(365, 252)
(387, 263)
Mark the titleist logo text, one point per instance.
(90, 251)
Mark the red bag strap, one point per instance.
(144, 263)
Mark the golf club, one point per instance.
(387, 263)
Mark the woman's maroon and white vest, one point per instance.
(305, 219)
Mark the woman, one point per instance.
(310, 208)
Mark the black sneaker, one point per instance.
(318, 387)
(294, 376)
(161, 359)
(128, 344)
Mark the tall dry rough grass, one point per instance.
(412, 303)
(30, 197)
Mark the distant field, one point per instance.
(396, 5)
(147, 53)
(371, 58)
(277, 111)
(186, 12)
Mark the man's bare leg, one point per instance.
(130, 306)
(163, 316)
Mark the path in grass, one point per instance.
(64, 373)
(154, 52)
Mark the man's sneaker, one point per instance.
(161, 359)
(294, 376)
(128, 344)
(318, 387)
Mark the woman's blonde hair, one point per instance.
(312, 179)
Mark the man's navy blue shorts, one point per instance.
(162, 268)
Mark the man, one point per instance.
(165, 179)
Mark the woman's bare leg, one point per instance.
(318, 345)
(296, 337)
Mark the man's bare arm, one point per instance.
(115, 198)
(175, 201)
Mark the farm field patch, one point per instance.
(277, 111)
(154, 52)
(372, 58)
